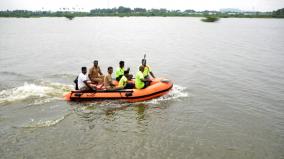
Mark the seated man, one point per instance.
(140, 81)
(95, 74)
(120, 71)
(147, 70)
(123, 82)
(108, 79)
(83, 82)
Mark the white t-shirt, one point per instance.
(81, 79)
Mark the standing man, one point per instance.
(83, 82)
(120, 71)
(147, 70)
(95, 74)
(140, 81)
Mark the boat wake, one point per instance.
(43, 92)
(176, 93)
(34, 94)
(43, 123)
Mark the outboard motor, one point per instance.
(76, 83)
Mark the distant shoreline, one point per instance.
(140, 12)
(125, 16)
(243, 17)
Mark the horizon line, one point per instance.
(76, 9)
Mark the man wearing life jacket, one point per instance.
(147, 70)
(140, 81)
(120, 71)
(83, 82)
(108, 79)
(123, 82)
(95, 74)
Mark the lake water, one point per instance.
(227, 100)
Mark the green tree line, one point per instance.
(278, 13)
(124, 11)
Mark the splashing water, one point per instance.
(38, 93)
(177, 92)
(43, 123)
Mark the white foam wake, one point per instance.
(43, 123)
(37, 93)
(177, 92)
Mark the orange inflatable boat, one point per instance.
(157, 88)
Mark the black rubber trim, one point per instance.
(104, 91)
(137, 97)
(118, 91)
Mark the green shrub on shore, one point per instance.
(210, 19)
(69, 16)
(278, 14)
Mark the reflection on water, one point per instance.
(110, 111)
(141, 111)
(115, 116)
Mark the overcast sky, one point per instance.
(251, 5)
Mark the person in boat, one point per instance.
(147, 70)
(95, 74)
(120, 71)
(108, 79)
(140, 81)
(83, 82)
(124, 81)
